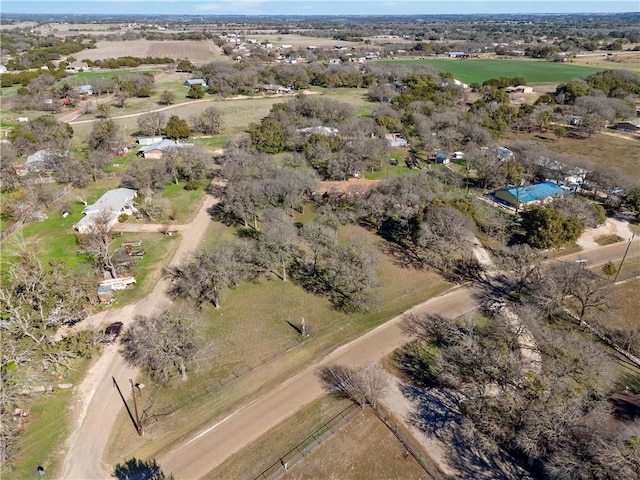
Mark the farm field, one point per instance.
(479, 70)
(199, 52)
(618, 61)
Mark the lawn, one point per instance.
(254, 348)
(479, 70)
(45, 429)
(106, 74)
(353, 96)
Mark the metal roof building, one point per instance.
(529, 194)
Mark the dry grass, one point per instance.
(199, 52)
(602, 149)
(362, 449)
(617, 61)
(265, 451)
(625, 298)
(251, 328)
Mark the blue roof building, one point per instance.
(535, 193)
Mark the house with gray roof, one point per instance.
(114, 203)
(155, 150)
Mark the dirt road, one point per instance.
(97, 401)
(209, 448)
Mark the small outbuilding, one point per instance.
(195, 81)
(631, 126)
(442, 159)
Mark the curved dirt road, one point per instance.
(97, 401)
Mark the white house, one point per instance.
(114, 202)
(77, 67)
(395, 140)
(195, 81)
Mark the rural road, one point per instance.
(212, 446)
(98, 403)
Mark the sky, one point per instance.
(315, 7)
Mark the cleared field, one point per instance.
(198, 52)
(279, 39)
(255, 348)
(602, 149)
(618, 61)
(479, 70)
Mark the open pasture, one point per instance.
(198, 52)
(479, 70)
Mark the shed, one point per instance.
(631, 126)
(442, 159)
(195, 81)
(84, 90)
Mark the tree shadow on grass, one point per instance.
(437, 414)
(136, 469)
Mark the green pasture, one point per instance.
(107, 74)
(253, 347)
(479, 70)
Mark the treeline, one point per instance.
(128, 61)
(23, 78)
(41, 56)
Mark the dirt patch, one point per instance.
(198, 52)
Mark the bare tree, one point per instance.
(364, 386)
(211, 273)
(98, 242)
(151, 123)
(208, 122)
(165, 343)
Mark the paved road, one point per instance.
(98, 401)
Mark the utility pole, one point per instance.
(133, 420)
(135, 408)
(623, 257)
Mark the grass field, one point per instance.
(479, 70)
(45, 429)
(363, 449)
(602, 149)
(251, 339)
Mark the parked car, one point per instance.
(113, 330)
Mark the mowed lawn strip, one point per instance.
(265, 451)
(478, 70)
(251, 338)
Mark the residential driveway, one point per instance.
(612, 227)
(96, 400)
